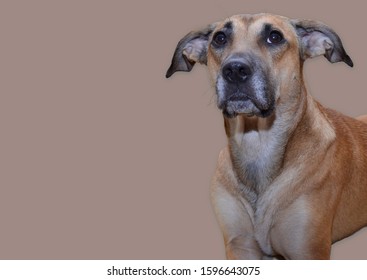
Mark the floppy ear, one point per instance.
(191, 49)
(317, 39)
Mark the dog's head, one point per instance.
(253, 59)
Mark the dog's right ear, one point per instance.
(191, 49)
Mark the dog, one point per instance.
(293, 178)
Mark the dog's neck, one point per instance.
(257, 145)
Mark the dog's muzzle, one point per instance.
(244, 88)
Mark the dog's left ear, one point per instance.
(317, 39)
(191, 49)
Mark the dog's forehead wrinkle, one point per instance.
(267, 27)
(247, 24)
(228, 25)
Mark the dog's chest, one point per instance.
(257, 158)
(270, 208)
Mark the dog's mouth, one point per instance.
(254, 97)
(240, 103)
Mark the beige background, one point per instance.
(101, 156)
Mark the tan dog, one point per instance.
(293, 178)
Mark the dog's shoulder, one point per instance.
(351, 134)
(363, 119)
(224, 171)
(346, 124)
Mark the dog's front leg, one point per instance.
(234, 213)
(302, 231)
(236, 224)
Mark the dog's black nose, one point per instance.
(236, 72)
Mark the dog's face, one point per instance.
(254, 59)
(246, 57)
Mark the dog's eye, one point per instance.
(275, 37)
(220, 39)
